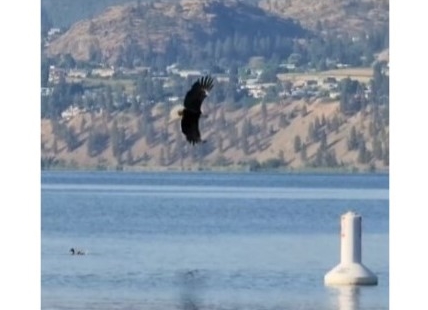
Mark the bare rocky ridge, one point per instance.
(154, 26)
(342, 16)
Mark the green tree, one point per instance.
(245, 146)
(97, 142)
(45, 64)
(330, 159)
(312, 133)
(353, 139)
(268, 75)
(264, 116)
(135, 106)
(71, 139)
(162, 159)
(82, 124)
(220, 143)
(118, 141)
(150, 133)
(303, 153)
(297, 144)
(55, 145)
(350, 103)
(335, 124)
(385, 158)
(323, 140)
(363, 154)
(67, 61)
(377, 149)
(283, 122)
(304, 111)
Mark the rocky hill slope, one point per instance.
(271, 139)
(161, 24)
(342, 16)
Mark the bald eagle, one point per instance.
(191, 112)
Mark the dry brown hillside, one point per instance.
(351, 16)
(153, 26)
(272, 140)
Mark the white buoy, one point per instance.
(350, 271)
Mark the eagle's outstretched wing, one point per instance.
(192, 109)
(196, 95)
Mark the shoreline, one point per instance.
(129, 169)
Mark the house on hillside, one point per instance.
(172, 69)
(70, 112)
(257, 90)
(221, 78)
(174, 99)
(77, 73)
(56, 74)
(53, 33)
(46, 91)
(330, 83)
(103, 72)
(342, 66)
(135, 71)
(334, 95)
(288, 67)
(190, 73)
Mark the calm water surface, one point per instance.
(207, 240)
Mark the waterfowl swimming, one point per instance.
(76, 252)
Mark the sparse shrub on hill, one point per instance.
(377, 149)
(353, 139)
(48, 162)
(283, 122)
(97, 142)
(71, 139)
(385, 158)
(364, 155)
(303, 153)
(118, 141)
(297, 144)
(324, 158)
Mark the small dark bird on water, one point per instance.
(76, 252)
(192, 109)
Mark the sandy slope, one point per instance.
(272, 143)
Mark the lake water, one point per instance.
(208, 240)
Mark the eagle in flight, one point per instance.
(192, 109)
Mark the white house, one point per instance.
(103, 72)
(55, 74)
(77, 73)
(187, 73)
(70, 112)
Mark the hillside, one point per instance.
(272, 141)
(160, 25)
(334, 14)
(343, 16)
(64, 13)
(286, 96)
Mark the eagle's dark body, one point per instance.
(192, 109)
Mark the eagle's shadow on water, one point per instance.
(191, 285)
(193, 282)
